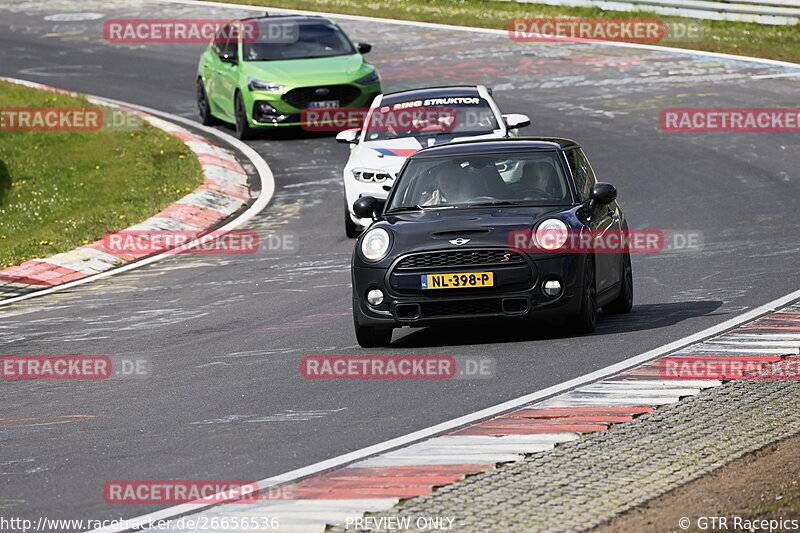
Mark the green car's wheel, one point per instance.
(243, 129)
(203, 106)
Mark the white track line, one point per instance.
(341, 460)
(263, 169)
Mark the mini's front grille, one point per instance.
(302, 96)
(461, 308)
(461, 258)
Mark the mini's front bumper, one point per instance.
(513, 301)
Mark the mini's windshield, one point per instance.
(457, 116)
(532, 178)
(279, 40)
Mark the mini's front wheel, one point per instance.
(586, 320)
(624, 302)
(372, 336)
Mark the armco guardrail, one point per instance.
(779, 12)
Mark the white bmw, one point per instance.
(398, 124)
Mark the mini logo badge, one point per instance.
(459, 241)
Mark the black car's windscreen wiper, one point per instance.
(498, 202)
(419, 208)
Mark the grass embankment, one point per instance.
(742, 38)
(62, 189)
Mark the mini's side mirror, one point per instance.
(348, 136)
(364, 48)
(516, 120)
(603, 193)
(368, 206)
(228, 58)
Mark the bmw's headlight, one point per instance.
(375, 244)
(370, 78)
(371, 176)
(551, 234)
(266, 86)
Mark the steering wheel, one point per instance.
(539, 194)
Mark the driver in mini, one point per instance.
(454, 186)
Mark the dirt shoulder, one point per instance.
(764, 485)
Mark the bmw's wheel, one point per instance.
(243, 129)
(203, 106)
(350, 227)
(624, 302)
(586, 320)
(372, 336)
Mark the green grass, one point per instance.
(758, 40)
(59, 190)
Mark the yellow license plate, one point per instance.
(456, 281)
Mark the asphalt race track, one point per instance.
(225, 333)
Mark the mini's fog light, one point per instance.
(552, 287)
(375, 297)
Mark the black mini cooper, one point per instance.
(481, 230)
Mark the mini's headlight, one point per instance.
(370, 78)
(266, 86)
(375, 244)
(551, 234)
(371, 176)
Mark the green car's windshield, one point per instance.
(280, 40)
(485, 180)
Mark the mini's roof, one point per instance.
(489, 146)
(291, 18)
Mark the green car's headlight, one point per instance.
(266, 86)
(370, 78)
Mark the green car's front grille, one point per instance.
(302, 96)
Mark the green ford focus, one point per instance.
(264, 72)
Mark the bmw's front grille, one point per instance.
(456, 258)
(302, 96)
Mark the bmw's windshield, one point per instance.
(282, 39)
(433, 117)
(531, 179)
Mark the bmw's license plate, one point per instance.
(324, 104)
(456, 281)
